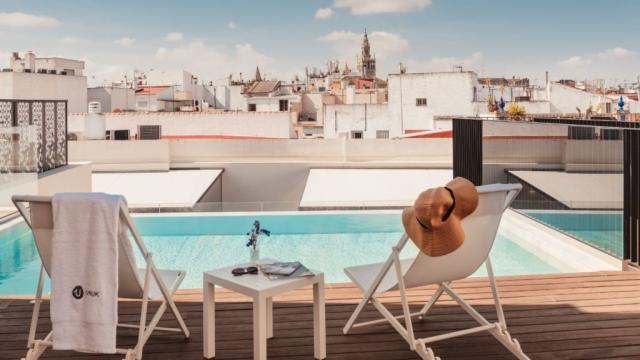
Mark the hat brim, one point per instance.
(439, 241)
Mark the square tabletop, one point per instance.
(259, 284)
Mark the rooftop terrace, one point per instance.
(563, 316)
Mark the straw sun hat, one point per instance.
(433, 223)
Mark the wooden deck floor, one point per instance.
(568, 316)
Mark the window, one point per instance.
(284, 105)
(121, 135)
(382, 134)
(421, 101)
(149, 132)
(356, 134)
(252, 107)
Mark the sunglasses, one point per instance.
(243, 271)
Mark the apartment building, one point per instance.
(53, 78)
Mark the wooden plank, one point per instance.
(565, 316)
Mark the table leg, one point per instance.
(259, 328)
(319, 327)
(269, 318)
(209, 319)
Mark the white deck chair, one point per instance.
(147, 284)
(395, 274)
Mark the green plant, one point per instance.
(516, 111)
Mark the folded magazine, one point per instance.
(279, 270)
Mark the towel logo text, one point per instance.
(78, 292)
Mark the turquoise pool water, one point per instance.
(602, 230)
(326, 242)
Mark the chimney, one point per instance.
(548, 85)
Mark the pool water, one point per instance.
(326, 241)
(601, 229)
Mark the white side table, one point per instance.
(261, 289)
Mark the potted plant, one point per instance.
(516, 112)
(252, 243)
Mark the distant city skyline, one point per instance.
(578, 39)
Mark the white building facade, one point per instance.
(270, 96)
(564, 99)
(439, 93)
(147, 98)
(112, 98)
(359, 121)
(31, 78)
(189, 125)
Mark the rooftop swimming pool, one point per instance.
(326, 241)
(600, 229)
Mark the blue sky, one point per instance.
(570, 38)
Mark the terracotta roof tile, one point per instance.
(263, 87)
(151, 90)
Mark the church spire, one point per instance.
(258, 76)
(366, 48)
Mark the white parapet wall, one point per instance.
(269, 171)
(110, 155)
(196, 125)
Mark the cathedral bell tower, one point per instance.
(366, 62)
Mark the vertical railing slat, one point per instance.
(467, 149)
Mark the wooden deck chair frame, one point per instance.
(394, 264)
(36, 347)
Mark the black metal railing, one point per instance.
(631, 215)
(581, 177)
(467, 149)
(33, 135)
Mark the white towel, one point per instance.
(84, 271)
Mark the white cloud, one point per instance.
(443, 63)
(174, 37)
(231, 25)
(371, 7)
(69, 40)
(100, 73)
(616, 53)
(18, 19)
(212, 62)
(617, 62)
(125, 41)
(323, 13)
(575, 61)
(383, 44)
